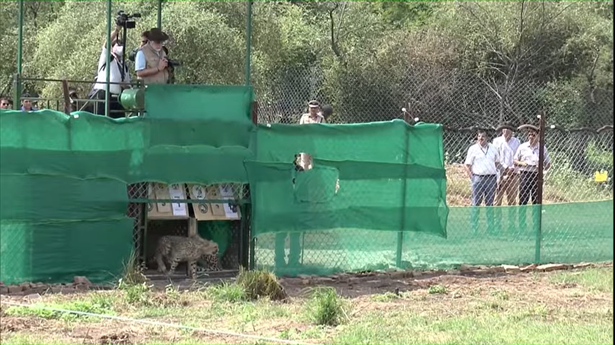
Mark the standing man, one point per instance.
(151, 60)
(313, 115)
(482, 165)
(526, 158)
(119, 75)
(507, 145)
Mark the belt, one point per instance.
(490, 175)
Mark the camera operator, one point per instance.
(151, 62)
(119, 73)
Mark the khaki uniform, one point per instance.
(152, 58)
(306, 118)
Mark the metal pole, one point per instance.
(402, 228)
(17, 100)
(248, 42)
(108, 68)
(540, 182)
(159, 17)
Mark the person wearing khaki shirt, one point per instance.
(151, 60)
(313, 116)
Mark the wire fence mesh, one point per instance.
(577, 182)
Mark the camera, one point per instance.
(174, 63)
(133, 54)
(126, 20)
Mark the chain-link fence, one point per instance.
(577, 188)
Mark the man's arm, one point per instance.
(114, 35)
(468, 162)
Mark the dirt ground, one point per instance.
(361, 288)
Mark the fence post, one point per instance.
(400, 234)
(249, 206)
(540, 182)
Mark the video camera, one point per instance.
(126, 20)
(173, 63)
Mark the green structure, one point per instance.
(64, 177)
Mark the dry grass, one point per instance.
(526, 308)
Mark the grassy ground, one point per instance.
(568, 307)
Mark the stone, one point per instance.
(464, 268)
(14, 288)
(81, 287)
(305, 281)
(325, 279)
(417, 274)
(582, 265)
(551, 267)
(32, 296)
(56, 289)
(4, 290)
(399, 274)
(80, 280)
(497, 269)
(528, 268)
(511, 268)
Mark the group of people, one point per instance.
(26, 103)
(151, 67)
(505, 167)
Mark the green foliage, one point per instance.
(325, 307)
(437, 289)
(261, 283)
(226, 292)
(361, 57)
(96, 304)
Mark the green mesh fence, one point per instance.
(376, 197)
(570, 233)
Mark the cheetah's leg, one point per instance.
(161, 266)
(174, 262)
(192, 265)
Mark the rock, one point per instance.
(511, 268)
(305, 281)
(453, 273)
(497, 269)
(528, 268)
(325, 279)
(82, 287)
(80, 280)
(4, 290)
(581, 265)
(551, 267)
(417, 274)
(33, 296)
(56, 289)
(464, 268)
(399, 275)
(14, 288)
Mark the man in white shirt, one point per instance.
(526, 159)
(508, 182)
(118, 74)
(482, 165)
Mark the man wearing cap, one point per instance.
(151, 60)
(482, 165)
(313, 116)
(526, 159)
(508, 182)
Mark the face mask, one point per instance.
(118, 50)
